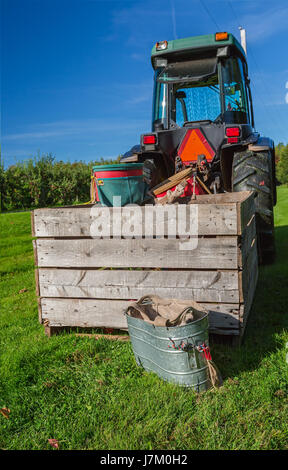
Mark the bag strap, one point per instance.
(145, 300)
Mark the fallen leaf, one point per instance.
(22, 290)
(279, 393)
(48, 384)
(54, 443)
(5, 412)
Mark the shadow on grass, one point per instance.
(267, 318)
(269, 308)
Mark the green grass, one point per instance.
(89, 394)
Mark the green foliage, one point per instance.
(278, 149)
(282, 166)
(43, 181)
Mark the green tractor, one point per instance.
(203, 116)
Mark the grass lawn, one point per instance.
(90, 394)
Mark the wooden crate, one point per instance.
(84, 281)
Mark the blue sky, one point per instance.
(76, 76)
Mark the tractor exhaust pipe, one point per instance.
(243, 38)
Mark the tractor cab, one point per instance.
(198, 90)
(201, 83)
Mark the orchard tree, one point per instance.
(282, 166)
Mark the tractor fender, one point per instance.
(263, 143)
(132, 155)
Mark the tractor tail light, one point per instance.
(149, 139)
(233, 132)
(232, 140)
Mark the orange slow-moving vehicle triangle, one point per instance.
(194, 144)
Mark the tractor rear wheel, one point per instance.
(253, 171)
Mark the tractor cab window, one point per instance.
(201, 90)
(234, 88)
(197, 102)
(194, 93)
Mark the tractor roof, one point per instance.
(195, 44)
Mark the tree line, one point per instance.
(44, 182)
(281, 151)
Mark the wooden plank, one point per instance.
(221, 198)
(225, 332)
(37, 284)
(249, 273)
(35, 254)
(248, 239)
(209, 286)
(223, 318)
(245, 210)
(211, 219)
(99, 313)
(210, 253)
(32, 224)
(250, 278)
(85, 312)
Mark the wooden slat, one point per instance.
(212, 219)
(32, 224)
(223, 318)
(84, 312)
(248, 273)
(37, 283)
(221, 198)
(249, 283)
(248, 239)
(209, 286)
(100, 313)
(246, 210)
(210, 253)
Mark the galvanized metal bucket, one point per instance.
(173, 353)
